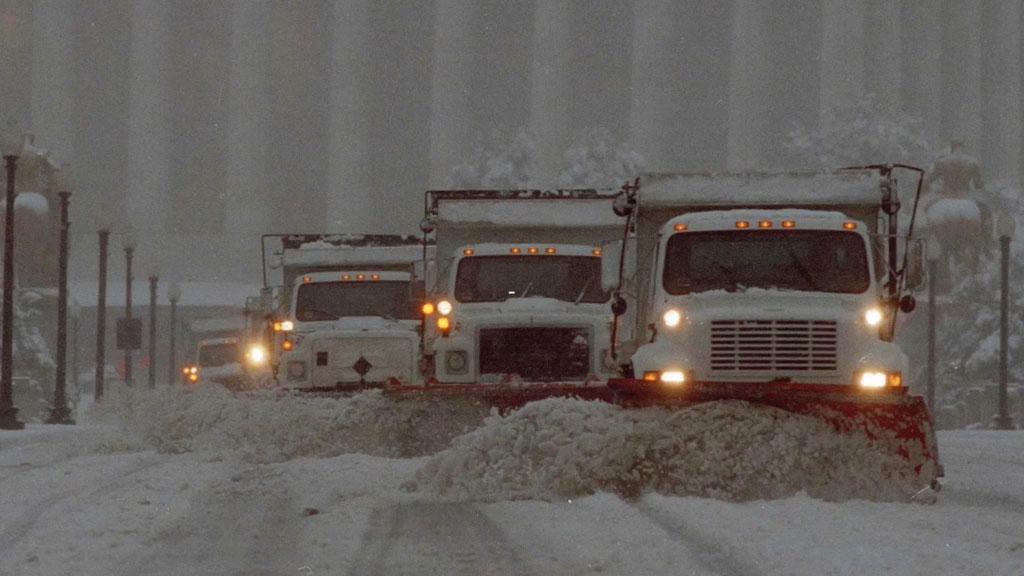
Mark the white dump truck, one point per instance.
(775, 288)
(347, 309)
(515, 294)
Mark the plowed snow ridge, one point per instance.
(552, 449)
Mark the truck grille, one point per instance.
(538, 354)
(777, 345)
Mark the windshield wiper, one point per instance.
(729, 277)
(583, 292)
(804, 273)
(526, 290)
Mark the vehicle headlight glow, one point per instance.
(674, 377)
(873, 316)
(444, 307)
(257, 355)
(672, 318)
(878, 379)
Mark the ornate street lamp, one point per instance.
(934, 254)
(153, 278)
(59, 412)
(1006, 226)
(129, 241)
(10, 143)
(103, 229)
(174, 295)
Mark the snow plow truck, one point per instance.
(346, 309)
(515, 308)
(779, 289)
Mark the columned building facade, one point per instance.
(206, 124)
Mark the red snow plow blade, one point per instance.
(890, 417)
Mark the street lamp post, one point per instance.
(128, 242)
(11, 147)
(173, 294)
(103, 229)
(76, 312)
(153, 278)
(1005, 227)
(934, 254)
(59, 412)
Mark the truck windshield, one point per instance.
(499, 278)
(332, 300)
(219, 354)
(734, 260)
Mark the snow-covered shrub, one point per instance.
(502, 160)
(597, 162)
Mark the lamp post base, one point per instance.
(61, 415)
(1003, 422)
(9, 419)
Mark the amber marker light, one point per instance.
(515, 250)
(764, 224)
(549, 250)
(531, 250)
(443, 323)
(468, 252)
(307, 279)
(596, 252)
(375, 277)
(850, 225)
(680, 227)
(360, 276)
(743, 224)
(287, 345)
(346, 277)
(788, 224)
(652, 376)
(428, 308)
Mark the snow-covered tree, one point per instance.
(863, 133)
(598, 162)
(32, 359)
(502, 160)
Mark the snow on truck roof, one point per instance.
(301, 250)
(846, 187)
(524, 208)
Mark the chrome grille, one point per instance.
(777, 345)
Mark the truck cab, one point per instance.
(536, 311)
(767, 295)
(220, 360)
(515, 293)
(347, 315)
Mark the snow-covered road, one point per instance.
(110, 496)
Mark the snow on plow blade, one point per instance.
(899, 423)
(503, 397)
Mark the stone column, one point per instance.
(883, 49)
(53, 74)
(149, 162)
(842, 53)
(1001, 86)
(248, 156)
(749, 78)
(551, 91)
(961, 73)
(922, 65)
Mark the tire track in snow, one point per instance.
(111, 482)
(712, 555)
(449, 537)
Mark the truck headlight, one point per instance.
(873, 316)
(444, 307)
(673, 377)
(257, 355)
(672, 318)
(878, 379)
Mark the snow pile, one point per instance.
(733, 450)
(270, 426)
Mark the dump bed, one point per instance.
(464, 217)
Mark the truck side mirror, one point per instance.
(914, 275)
(612, 254)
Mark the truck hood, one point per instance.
(757, 303)
(532, 305)
(358, 324)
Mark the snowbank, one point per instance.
(270, 426)
(558, 449)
